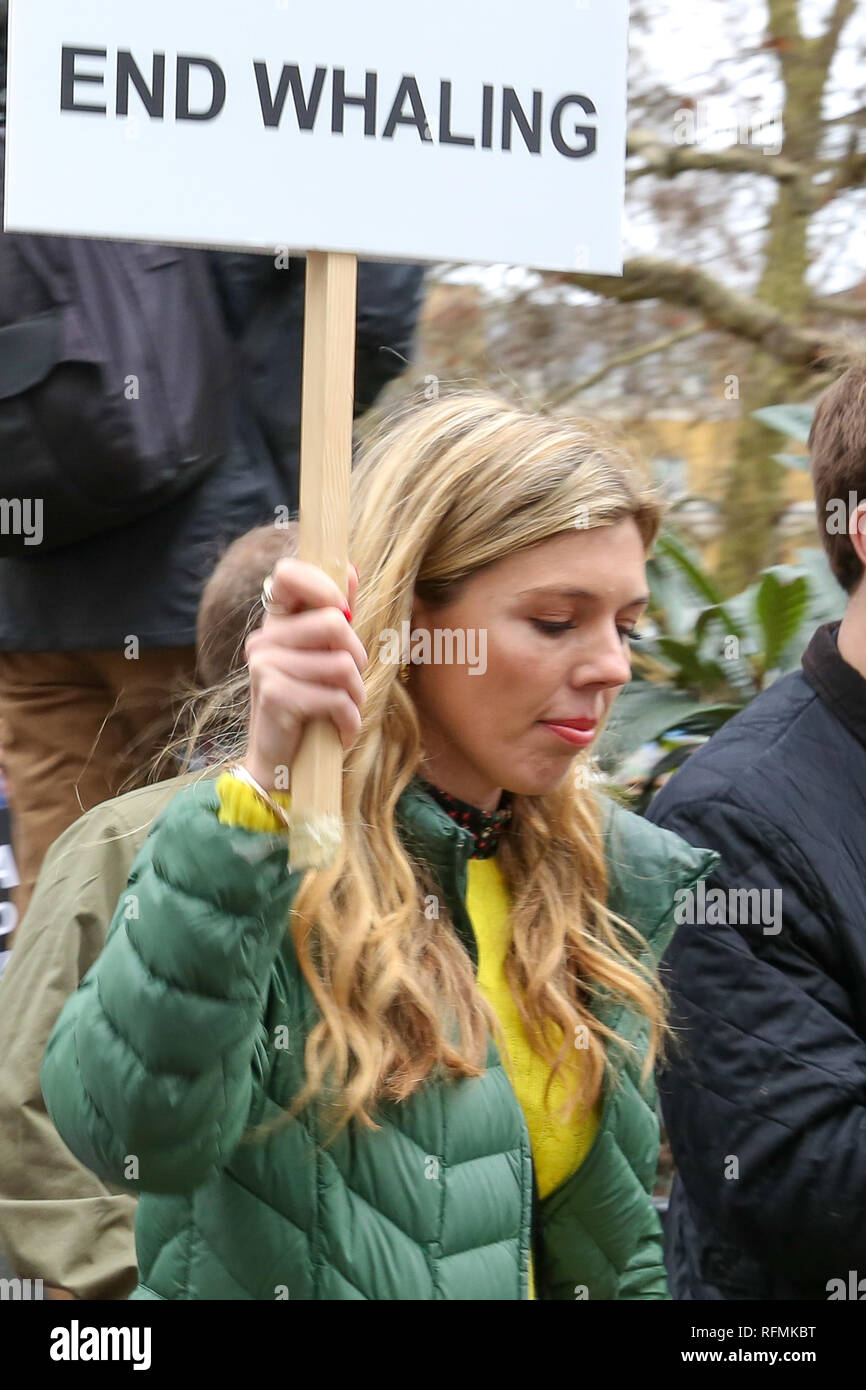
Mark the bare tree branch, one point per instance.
(850, 172)
(623, 360)
(652, 277)
(858, 114)
(829, 40)
(841, 307)
(666, 161)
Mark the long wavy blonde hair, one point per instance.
(445, 488)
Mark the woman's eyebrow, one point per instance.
(552, 589)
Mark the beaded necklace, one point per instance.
(486, 827)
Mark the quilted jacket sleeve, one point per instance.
(766, 1101)
(148, 1075)
(644, 1277)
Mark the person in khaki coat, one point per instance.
(58, 1221)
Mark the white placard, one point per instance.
(470, 130)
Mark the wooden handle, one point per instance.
(326, 465)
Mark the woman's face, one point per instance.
(546, 638)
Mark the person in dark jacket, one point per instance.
(95, 636)
(765, 1102)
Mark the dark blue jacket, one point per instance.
(765, 1103)
(146, 578)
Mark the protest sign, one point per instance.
(490, 132)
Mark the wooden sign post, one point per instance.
(326, 464)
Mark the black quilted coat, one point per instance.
(766, 1103)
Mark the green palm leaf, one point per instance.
(780, 607)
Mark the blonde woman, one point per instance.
(425, 1072)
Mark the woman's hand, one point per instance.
(304, 666)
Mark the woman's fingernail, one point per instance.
(347, 612)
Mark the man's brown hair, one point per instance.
(837, 443)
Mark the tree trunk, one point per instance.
(754, 490)
(754, 496)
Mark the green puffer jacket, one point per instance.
(190, 1028)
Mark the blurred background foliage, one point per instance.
(703, 656)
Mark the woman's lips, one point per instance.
(578, 732)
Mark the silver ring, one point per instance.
(269, 603)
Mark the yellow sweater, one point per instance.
(557, 1149)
